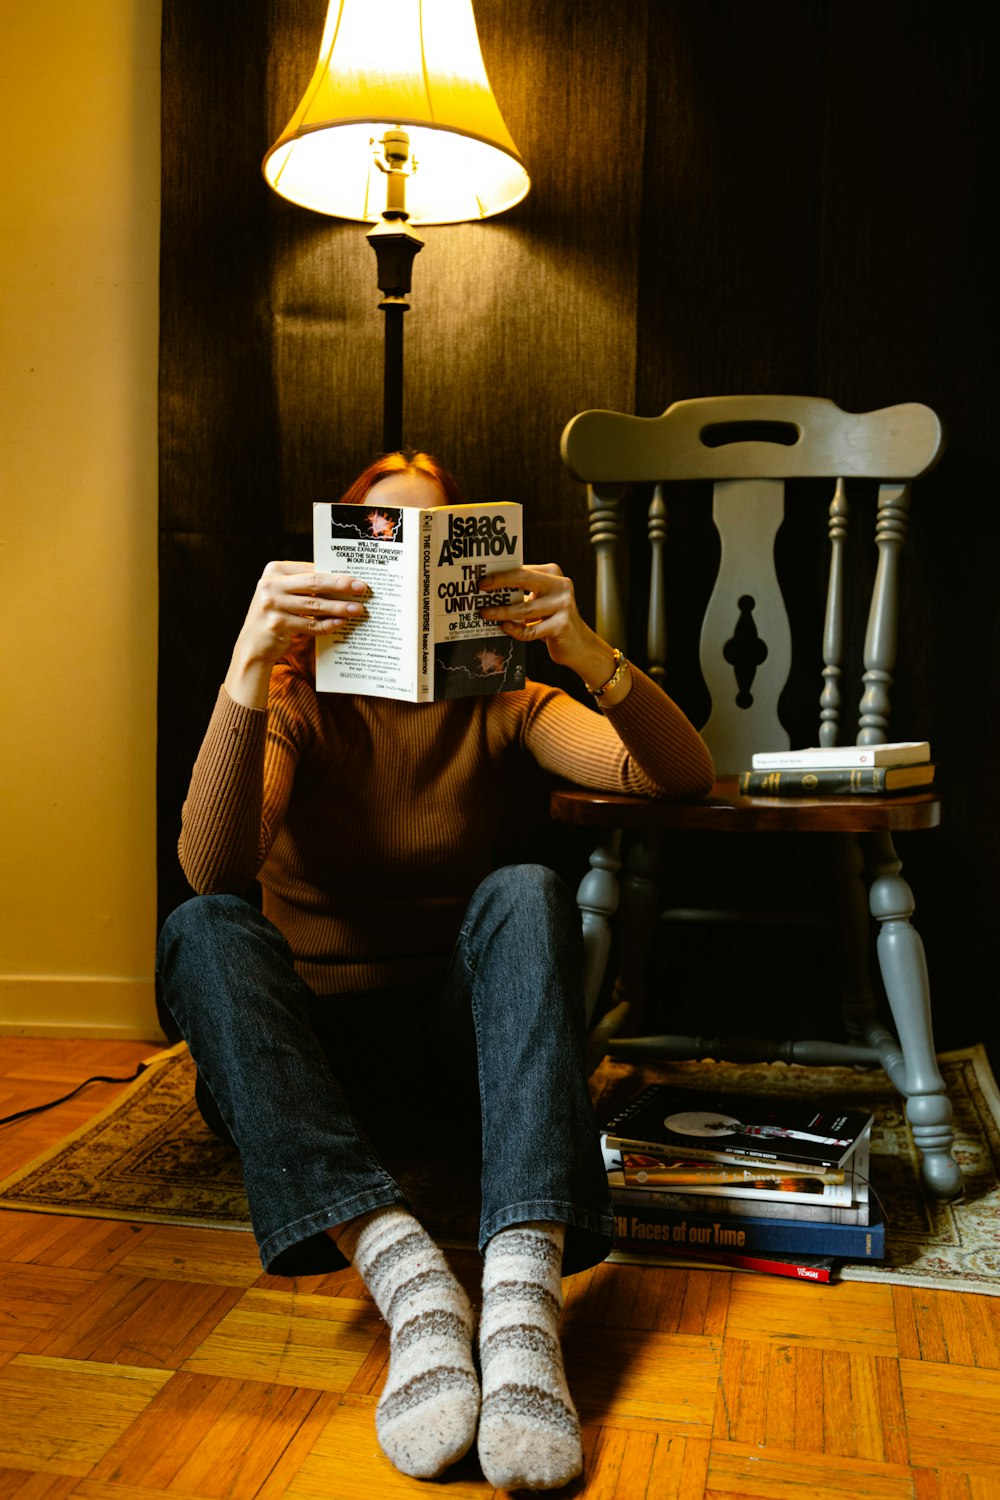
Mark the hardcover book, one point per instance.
(779, 1132)
(421, 638)
(829, 781)
(820, 1268)
(638, 1228)
(889, 753)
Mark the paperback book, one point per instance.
(421, 638)
(783, 1133)
(625, 1199)
(889, 753)
(808, 1196)
(830, 781)
(641, 1169)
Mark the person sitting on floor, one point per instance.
(391, 961)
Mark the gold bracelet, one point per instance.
(613, 680)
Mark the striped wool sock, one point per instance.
(529, 1432)
(426, 1417)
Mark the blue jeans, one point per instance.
(302, 1083)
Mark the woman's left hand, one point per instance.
(549, 613)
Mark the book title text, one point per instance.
(681, 1233)
(476, 536)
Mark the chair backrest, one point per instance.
(748, 447)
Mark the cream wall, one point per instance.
(79, 231)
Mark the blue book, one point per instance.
(652, 1230)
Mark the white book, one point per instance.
(854, 1211)
(421, 638)
(733, 1197)
(896, 753)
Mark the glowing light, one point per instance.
(390, 64)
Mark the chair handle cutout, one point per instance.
(720, 434)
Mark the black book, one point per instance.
(721, 1127)
(829, 781)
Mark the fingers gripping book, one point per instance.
(421, 638)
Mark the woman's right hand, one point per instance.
(291, 599)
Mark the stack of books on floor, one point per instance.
(840, 771)
(760, 1184)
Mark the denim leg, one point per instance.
(250, 1023)
(519, 959)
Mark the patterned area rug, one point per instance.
(149, 1158)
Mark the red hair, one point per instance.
(300, 655)
(402, 463)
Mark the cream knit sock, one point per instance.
(426, 1418)
(529, 1432)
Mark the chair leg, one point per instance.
(597, 897)
(641, 861)
(904, 974)
(859, 1000)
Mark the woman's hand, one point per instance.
(291, 599)
(549, 613)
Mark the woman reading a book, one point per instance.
(394, 974)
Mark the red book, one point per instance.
(799, 1267)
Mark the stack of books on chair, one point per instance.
(762, 1184)
(840, 770)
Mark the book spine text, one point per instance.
(638, 1228)
(425, 662)
(830, 782)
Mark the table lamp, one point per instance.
(398, 127)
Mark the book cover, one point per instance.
(830, 781)
(641, 1169)
(617, 1143)
(421, 639)
(890, 753)
(784, 1132)
(819, 1268)
(780, 1196)
(639, 1228)
(624, 1199)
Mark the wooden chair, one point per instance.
(748, 447)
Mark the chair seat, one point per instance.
(726, 811)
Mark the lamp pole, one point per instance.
(435, 79)
(396, 243)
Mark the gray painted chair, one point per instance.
(748, 447)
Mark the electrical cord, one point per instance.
(37, 1109)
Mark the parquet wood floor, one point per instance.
(152, 1363)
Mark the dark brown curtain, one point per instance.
(725, 197)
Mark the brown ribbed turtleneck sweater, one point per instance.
(369, 823)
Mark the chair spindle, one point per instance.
(891, 529)
(833, 624)
(656, 632)
(604, 509)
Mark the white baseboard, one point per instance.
(84, 1005)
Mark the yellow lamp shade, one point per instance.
(414, 65)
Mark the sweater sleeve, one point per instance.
(643, 745)
(239, 791)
